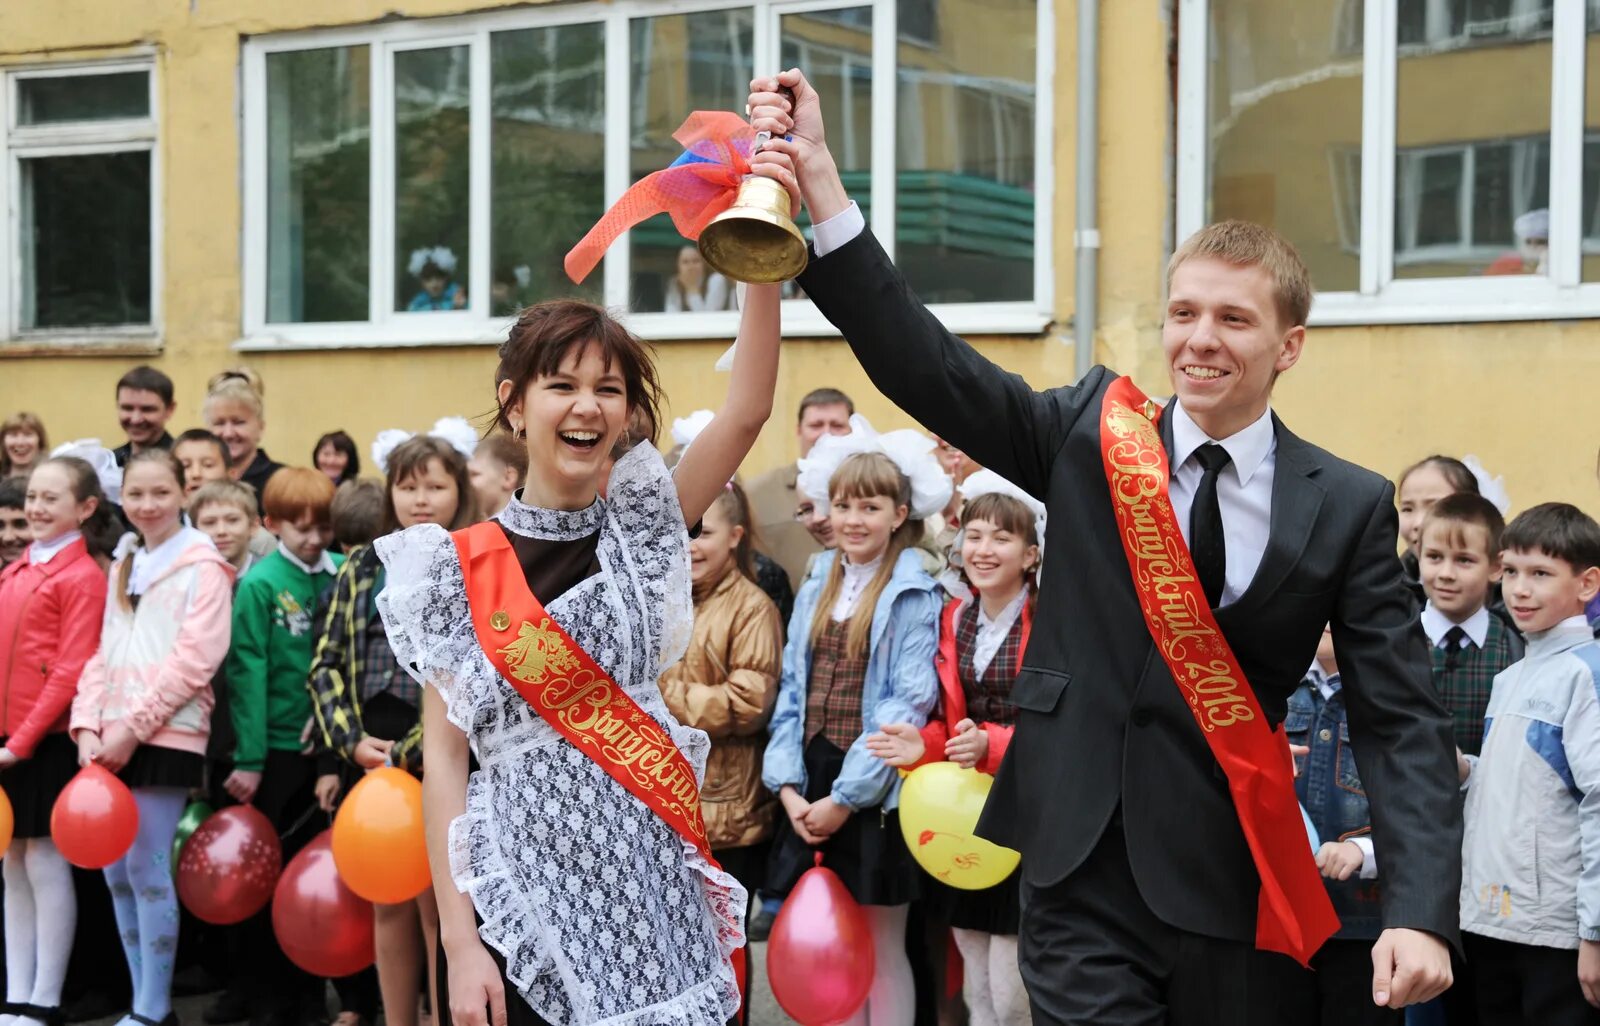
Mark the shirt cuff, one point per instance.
(1369, 863)
(1472, 768)
(837, 230)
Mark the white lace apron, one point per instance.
(603, 914)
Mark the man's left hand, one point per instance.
(1408, 968)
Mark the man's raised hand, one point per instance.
(800, 119)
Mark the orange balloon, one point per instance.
(378, 841)
(8, 821)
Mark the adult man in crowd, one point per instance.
(144, 405)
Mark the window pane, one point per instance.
(318, 181)
(964, 147)
(1591, 150)
(1472, 160)
(1285, 128)
(43, 101)
(680, 63)
(85, 240)
(548, 145)
(431, 158)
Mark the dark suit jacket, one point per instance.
(1100, 719)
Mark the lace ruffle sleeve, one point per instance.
(425, 612)
(643, 500)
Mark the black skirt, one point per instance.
(868, 853)
(154, 766)
(34, 784)
(996, 909)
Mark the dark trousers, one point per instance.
(1342, 975)
(1093, 954)
(1526, 985)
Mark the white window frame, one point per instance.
(64, 139)
(386, 327)
(1381, 298)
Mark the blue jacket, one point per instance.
(901, 686)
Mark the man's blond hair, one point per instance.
(1244, 244)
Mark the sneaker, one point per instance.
(230, 1006)
(760, 924)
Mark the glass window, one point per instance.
(1472, 149)
(85, 236)
(964, 146)
(432, 157)
(835, 49)
(1285, 129)
(680, 63)
(548, 154)
(63, 98)
(318, 184)
(1590, 209)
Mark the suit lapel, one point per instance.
(1296, 499)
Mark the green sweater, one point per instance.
(270, 658)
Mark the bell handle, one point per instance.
(763, 136)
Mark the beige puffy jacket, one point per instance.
(726, 684)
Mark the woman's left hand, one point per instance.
(969, 747)
(117, 746)
(825, 817)
(775, 160)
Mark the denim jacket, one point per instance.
(901, 687)
(1331, 792)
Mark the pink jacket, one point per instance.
(154, 666)
(50, 616)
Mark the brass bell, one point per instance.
(755, 240)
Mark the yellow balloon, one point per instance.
(939, 807)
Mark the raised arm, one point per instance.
(937, 378)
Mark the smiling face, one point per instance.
(152, 498)
(143, 415)
(202, 462)
(51, 507)
(428, 496)
(573, 419)
(1225, 343)
(1541, 590)
(238, 427)
(994, 559)
(1422, 488)
(863, 524)
(14, 533)
(22, 448)
(712, 553)
(817, 520)
(229, 527)
(333, 461)
(1456, 567)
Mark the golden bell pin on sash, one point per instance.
(755, 240)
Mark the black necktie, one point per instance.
(1452, 646)
(1206, 543)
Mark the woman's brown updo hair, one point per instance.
(547, 333)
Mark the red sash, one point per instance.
(572, 693)
(1294, 915)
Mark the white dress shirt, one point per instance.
(1244, 487)
(150, 564)
(325, 563)
(41, 552)
(856, 578)
(1436, 625)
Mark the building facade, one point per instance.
(352, 198)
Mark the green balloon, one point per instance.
(194, 814)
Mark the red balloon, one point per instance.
(94, 819)
(230, 866)
(321, 924)
(819, 953)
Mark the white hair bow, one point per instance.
(440, 256)
(1491, 488)
(987, 482)
(687, 429)
(911, 451)
(101, 459)
(455, 431)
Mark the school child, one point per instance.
(144, 704)
(1422, 484)
(225, 511)
(860, 654)
(205, 459)
(368, 707)
(983, 632)
(498, 467)
(15, 536)
(432, 266)
(1530, 889)
(357, 513)
(273, 636)
(52, 604)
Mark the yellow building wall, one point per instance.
(1518, 395)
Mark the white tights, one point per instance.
(992, 983)
(893, 998)
(41, 916)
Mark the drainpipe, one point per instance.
(1086, 239)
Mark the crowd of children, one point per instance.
(202, 621)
